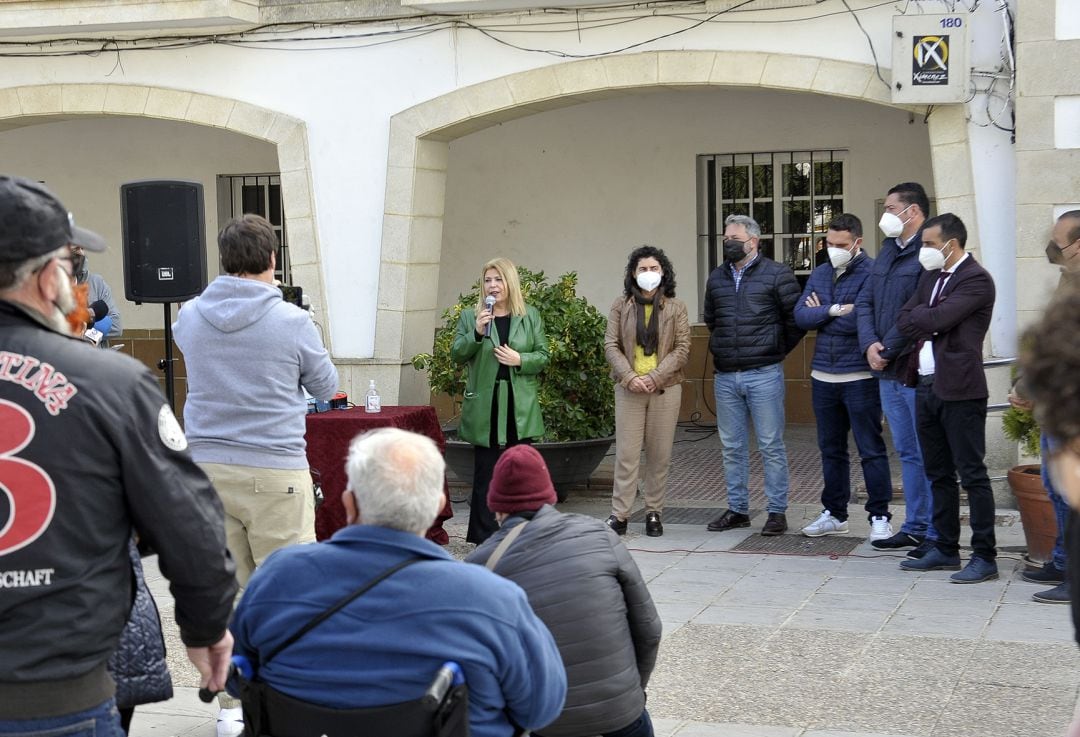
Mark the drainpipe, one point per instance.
(993, 162)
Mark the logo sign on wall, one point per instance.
(930, 55)
(931, 65)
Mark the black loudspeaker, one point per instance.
(164, 241)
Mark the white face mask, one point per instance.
(891, 225)
(933, 259)
(649, 280)
(841, 257)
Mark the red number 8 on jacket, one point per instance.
(30, 491)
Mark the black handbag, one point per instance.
(441, 712)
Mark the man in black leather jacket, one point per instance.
(750, 309)
(88, 450)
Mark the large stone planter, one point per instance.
(570, 463)
(1036, 512)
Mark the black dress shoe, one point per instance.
(729, 521)
(653, 528)
(924, 547)
(1048, 574)
(776, 524)
(616, 524)
(899, 540)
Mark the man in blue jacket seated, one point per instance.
(845, 394)
(386, 645)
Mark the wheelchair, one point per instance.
(442, 711)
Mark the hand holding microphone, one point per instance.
(489, 303)
(95, 330)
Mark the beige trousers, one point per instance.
(265, 509)
(643, 421)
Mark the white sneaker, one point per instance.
(880, 529)
(230, 722)
(826, 524)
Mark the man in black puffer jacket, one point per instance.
(750, 309)
(583, 584)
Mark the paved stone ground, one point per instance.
(772, 645)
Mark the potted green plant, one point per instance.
(1025, 481)
(576, 392)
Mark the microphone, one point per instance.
(489, 303)
(98, 310)
(99, 316)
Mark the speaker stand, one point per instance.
(167, 363)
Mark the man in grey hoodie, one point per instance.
(249, 357)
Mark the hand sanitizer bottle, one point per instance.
(372, 402)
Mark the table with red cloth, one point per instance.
(328, 437)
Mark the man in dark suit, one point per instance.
(948, 317)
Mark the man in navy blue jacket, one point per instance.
(891, 283)
(845, 394)
(386, 645)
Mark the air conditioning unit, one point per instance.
(716, 6)
(930, 58)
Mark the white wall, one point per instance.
(578, 188)
(347, 90)
(85, 161)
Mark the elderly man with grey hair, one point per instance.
(750, 312)
(385, 646)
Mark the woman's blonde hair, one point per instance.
(506, 269)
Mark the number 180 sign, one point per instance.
(934, 49)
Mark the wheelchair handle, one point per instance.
(240, 667)
(448, 676)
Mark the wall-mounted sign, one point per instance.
(930, 58)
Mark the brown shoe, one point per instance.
(775, 525)
(729, 521)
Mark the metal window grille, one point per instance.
(259, 194)
(791, 194)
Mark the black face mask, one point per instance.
(1054, 254)
(78, 261)
(734, 250)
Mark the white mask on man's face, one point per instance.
(64, 303)
(933, 259)
(891, 225)
(841, 257)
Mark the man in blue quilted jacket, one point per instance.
(845, 394)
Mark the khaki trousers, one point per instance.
(643, 421)
(265, 509)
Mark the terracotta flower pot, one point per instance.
(1036, 512)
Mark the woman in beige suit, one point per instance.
(647, 344)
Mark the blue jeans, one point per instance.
(101, 721)
(898, 403)
(1061, 507)
(640, 727)
(854, 406)
(756, 394)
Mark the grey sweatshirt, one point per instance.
(249, 357)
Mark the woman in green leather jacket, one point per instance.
(502, 340)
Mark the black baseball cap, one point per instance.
(33, 222)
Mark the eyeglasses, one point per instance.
(71, 260)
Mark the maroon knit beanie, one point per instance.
(520, 482)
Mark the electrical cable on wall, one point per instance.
(423, 25)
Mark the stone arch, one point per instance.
(29, 105)
(419, 151)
